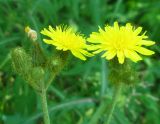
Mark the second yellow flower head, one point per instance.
(123, 42)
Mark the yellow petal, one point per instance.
(109, 54)
(120, 56)
(106, 28)
(129, 26)
(46, 32)
(144, 35)
(93, 47)
(51, 29)
(143, 50)
(65, 49)
(146, 43)
(97, 51)
(101, 30)
(86, 53)
(94, 38)
(78, 55)
(51, 42)
(48, 41)
(138, 30)
(116, 26)
(105, 54)
(59, 48)
(132, 55)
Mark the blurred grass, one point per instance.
(79, 80)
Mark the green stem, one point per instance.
(98, 113)
(44, 106)
(103, 106)
(116, 95)
(50, 80)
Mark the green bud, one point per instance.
(57, 63)
(38, 57)
(122, 73)
(21, 61)
(22, 64)
(38, 74)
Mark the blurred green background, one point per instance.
(76, 92)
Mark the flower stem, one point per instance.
(44, 106)
(116, 95)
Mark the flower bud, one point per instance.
(21, 61)
(32, 34)
(57, 62)
(38, 74)
(38, 56)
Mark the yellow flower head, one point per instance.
(65, 38)
(125, 41)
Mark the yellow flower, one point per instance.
(125, 41)
(65, 38)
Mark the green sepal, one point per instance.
(122, 73)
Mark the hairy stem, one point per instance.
(44, 106)
(116, 95)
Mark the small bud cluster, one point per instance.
(34, 66)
